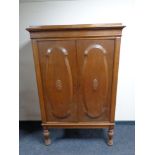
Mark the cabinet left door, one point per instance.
(57, 60)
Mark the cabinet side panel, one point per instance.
(39, 80)
(115, 78)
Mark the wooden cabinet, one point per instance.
(76, 70)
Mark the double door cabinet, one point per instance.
(76, 70)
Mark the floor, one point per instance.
(77, 141)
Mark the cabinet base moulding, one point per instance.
(78, 125)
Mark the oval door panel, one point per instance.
(95, 80)
(59, 82)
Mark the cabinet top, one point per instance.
(75, 27)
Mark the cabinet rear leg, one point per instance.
(110, 136)
(46, 134)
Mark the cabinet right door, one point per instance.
(95, 68)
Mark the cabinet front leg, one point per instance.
(110, 136)
(46, 134)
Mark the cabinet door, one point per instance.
(58, 71)
(95, 62)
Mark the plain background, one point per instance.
(38, 12)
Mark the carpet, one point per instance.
(76, 141)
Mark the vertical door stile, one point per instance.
(78, 81)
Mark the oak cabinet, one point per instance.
(76, 70)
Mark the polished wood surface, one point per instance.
(59, 79)
(76, 70)
(73, 27)
(95, 61)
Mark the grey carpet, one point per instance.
(77, 141)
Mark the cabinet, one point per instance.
(76, 70)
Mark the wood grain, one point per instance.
(77, 27)
(95, 61)
(58, 72)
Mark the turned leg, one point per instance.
(110, 136)
(46, 134)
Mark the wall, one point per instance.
(76, 12)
